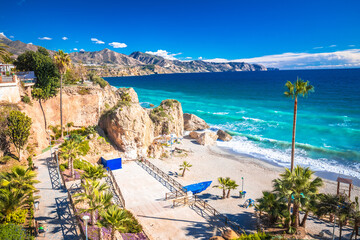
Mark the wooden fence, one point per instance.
(116, 187)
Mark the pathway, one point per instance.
(54, 207)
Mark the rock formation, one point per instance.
(168, 118)
(224, 136)
(194, 135)
(207, 138)
(194, 123)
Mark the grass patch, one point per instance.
(83, 91)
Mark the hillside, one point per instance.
(110, 63)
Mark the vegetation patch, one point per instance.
(26, 99)
(83, 91)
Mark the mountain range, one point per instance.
(110, 63)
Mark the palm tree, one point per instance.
(93, 194)
(11, 199)
(185, 166)
(299, 87)
(231, 186)
(224, 183)
(62, 61)
(356, 218)
(20, 178)
(115, 218)
(273, 205)
(94, 172)
(4, 54)
(300, 186)
(69, 150)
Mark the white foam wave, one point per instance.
(244, 146)
(253, 119)
(220, 113)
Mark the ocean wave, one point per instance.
(220, 113)
(242, 144)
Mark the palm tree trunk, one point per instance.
(93, 219)
(19, 151)
(304, 219)
(61, 118)
(183, 174)
(71, 166)
(288, 208)
(228, 194)
(42, 109)
(293, 136)
(112, 234)
(101, 233)
(296, 215)
(223, 193)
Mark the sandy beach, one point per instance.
(211, 162)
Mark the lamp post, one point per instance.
(86, 219)
(242, 187)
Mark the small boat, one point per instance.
(197, 187)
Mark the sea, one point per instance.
(253, 108)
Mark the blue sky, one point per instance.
(285, 34)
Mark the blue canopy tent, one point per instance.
(198, 187)
(113, 164)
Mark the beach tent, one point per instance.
(113, 164)
(197, 187)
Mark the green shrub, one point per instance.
(17, 217)
(5, 159)
(84, 147)
(255, 236)
(81, 164)
(63, 166)
(26, 99)
(83, 91)
(12, 232)
(133, 226)
(98, 80)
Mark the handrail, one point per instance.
(117, 189)
(180, 188)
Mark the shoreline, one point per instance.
(330, 176)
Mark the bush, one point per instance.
(5, 159)
(12, 232)
(133, 226)
(98, 80)
(255, 236)
(63, 166)
(81, 164)
(26, 99)
(83, 91)
(17, 217)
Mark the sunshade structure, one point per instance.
(197, 187)
(113, 164)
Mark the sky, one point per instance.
(285, 34)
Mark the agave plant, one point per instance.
(115, 218)
(94, 172)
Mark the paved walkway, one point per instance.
(144, 195)
(54, 209)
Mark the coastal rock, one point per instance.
(155, 150)
(207, 138)
(168, 118)
(129, 127)
(230, 234)
(128, 94)
(224, 136)
(194, 123)
(194, 135)
(217, 238)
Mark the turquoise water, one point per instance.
(252, 106)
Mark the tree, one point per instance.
(19, 178)
(69, 150)
(356, 218)
(19, 126)
(185, 166)
(115, 218)
(44, 68)
(40, 94)
(231, 186)
(299, 87)
(4, 54)
(223, 184)
(62, 61)
(273, 205)
(94, 172)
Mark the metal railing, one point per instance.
(116, 186)
(179, 189)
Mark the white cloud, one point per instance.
(188, 58)
(338, 59)
(118, 45)
(64, 38)
(44, 38)
(351, 45)
(75, 49)
(30, 43)
(165, 54)
(2, 34)
(200, 58)
(82, 50)
(11, 36)
(332, 45)
(318, 47)
(97, 41)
